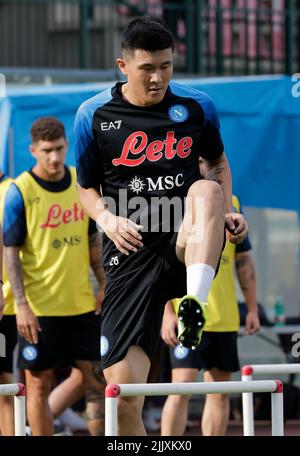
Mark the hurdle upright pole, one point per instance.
(18, 391)
(247, 404)
(277, 409)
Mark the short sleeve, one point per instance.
(14, 218)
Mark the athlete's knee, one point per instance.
(39, 386)
(179, 400)
(210, 195)
(220, 400)
(205, 188)
(129, 408)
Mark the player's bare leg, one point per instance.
(175, 412)
(215, 414)
(199, 245)
(38, 387)
(6, 408)
(201, 235)
(94, 391)
(134, 368)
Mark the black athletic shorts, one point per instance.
(62, 341)
(137, 289)
(8, 341)
(216, 349)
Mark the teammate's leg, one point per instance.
(6, 407)
(38, 387)
(134, 368)
(67, 392)
(94, 391)
(216, 409)
(175, 410)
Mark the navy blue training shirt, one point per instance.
(148, 151)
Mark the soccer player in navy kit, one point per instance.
(143, 138)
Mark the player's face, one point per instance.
(50, 158)
(148, 75)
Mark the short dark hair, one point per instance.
(47, 129)
(149, 33)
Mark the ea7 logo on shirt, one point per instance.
(111, 125)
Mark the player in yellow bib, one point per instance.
(50, 246)
(217, 353)
(8, 330)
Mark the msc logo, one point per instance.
(161, 183)
(2, 346)
(178, 113)
(111, 125)
(70, 241)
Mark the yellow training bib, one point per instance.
(55, 254)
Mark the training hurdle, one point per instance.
(18, 391)
(113, 392)
(247, 375)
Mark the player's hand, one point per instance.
(122, 231)
(1, 303)
(99, 299)
(252, 325)
(169, 328)
(236, 227)
(27, 323)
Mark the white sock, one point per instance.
(199, 280)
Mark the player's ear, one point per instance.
(122, 65)
(32, 149)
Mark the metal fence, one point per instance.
(222, 37)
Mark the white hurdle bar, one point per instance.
(18, 391)
(113, 392)
(247, 375)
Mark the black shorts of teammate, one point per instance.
(8, 341)
(62, 341)
(216, 350)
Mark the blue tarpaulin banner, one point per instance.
(260, 125)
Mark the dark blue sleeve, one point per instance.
(14, 218)
(87, 165)
(213, 146)
(87, 148)
(244, 246)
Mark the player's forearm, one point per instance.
(95, 248)
(219, 171)
(92, 202)
(246, 277)
(15, 274)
